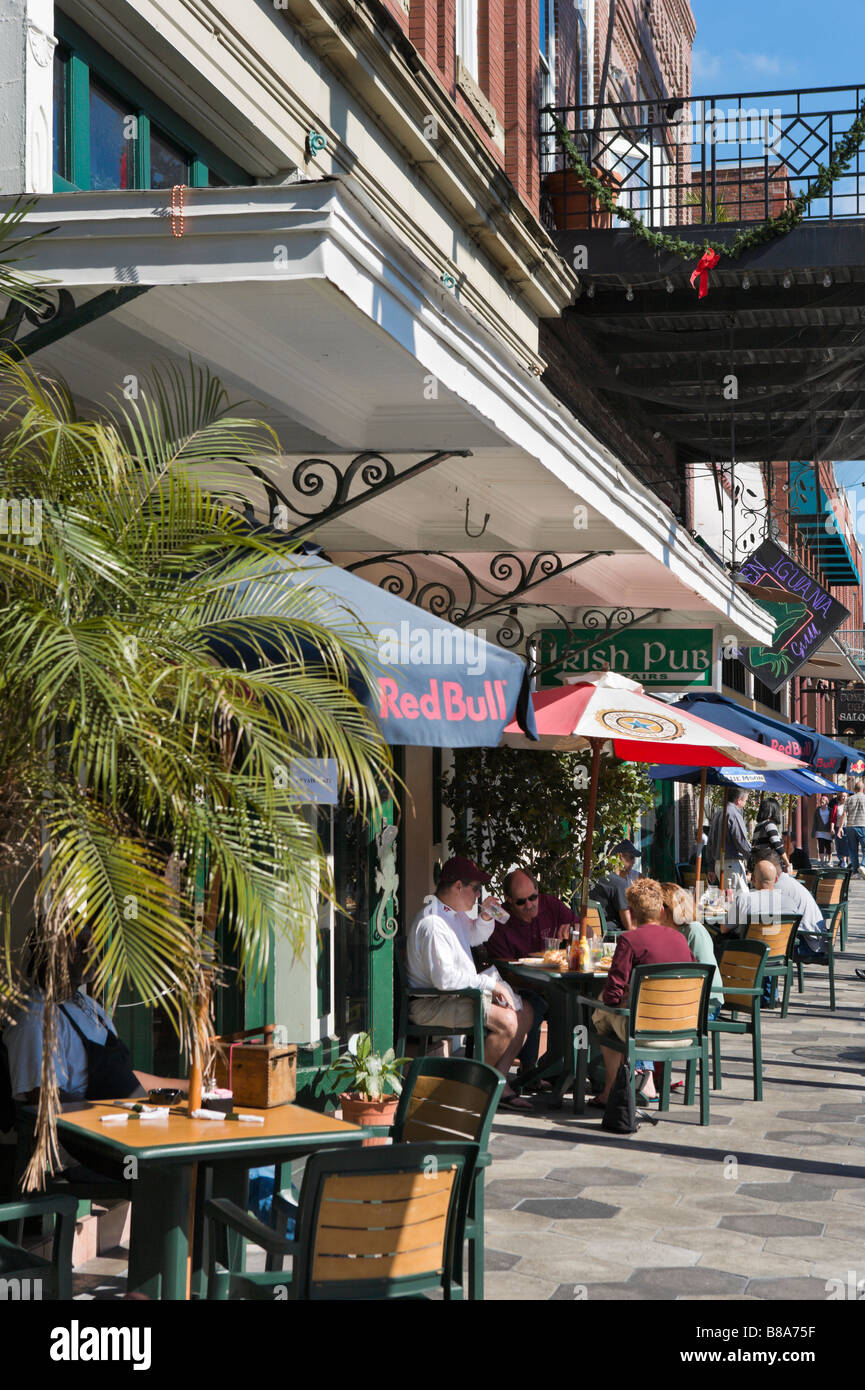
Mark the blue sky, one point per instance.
(774, 45)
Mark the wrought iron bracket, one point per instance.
(483, 599)
(375, 474)
(61, 316)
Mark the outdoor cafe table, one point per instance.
(560, 989)
(167, 1152)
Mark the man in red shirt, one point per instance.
(650, 943)
(533, 916)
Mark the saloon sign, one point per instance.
(850, 711)
(805, 614)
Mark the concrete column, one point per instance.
(27, 46)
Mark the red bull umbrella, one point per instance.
(434, 684)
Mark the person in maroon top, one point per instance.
(650, 943)
(533, 916)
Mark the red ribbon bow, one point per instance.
(707, 262)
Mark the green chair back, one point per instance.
(381, 1222)
(670, 1003)
(448, 1098)
(741, 964)
(29, 1276)
(779, 934)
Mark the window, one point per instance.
(547, 82)
(733, 674)
(467, 35)
(112, 140)
(111, 132)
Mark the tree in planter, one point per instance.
(512, 806)
(123, 740)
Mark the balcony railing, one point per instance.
(702, 161)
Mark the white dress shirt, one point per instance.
(439, 951)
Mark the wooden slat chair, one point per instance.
(667, 1015)
(372, 1224)
(443, 1098)
(447, 1098)
(596, 920)
(686, 875)
(741, 964)
(810, 880)
(44, 1278)
(833, 888)
(407, 1028)
(779, 935)
(831, 943)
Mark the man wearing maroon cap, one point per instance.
(439, 957)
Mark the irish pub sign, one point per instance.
(659, 658)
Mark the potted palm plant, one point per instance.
(373, 1083)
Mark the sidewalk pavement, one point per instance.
(767, 1202)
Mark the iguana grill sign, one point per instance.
(805, 614)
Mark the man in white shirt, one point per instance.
(439, 957)
(796, 898)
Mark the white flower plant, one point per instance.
(366, 1073)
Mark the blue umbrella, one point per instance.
(822, 753)
(436, 685)
(797, 782)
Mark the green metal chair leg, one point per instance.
(690, 1079)
(757, 1053)
(801, 979)
(704, 1083)
(716, 1061)
(664, 1102)
(476, 1244)
(831, 977)
(788, 980)
(581, 1064)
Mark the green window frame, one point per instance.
(83, 57)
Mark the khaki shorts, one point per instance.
(614, 1023)
(610, 1023)
(447, 1013)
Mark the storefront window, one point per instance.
(113, 128)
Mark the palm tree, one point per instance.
(143, 717)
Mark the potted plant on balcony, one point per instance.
(573, 204)
(372, 1081)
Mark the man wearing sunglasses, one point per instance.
(533, 916)
(439, 955)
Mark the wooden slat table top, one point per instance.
(176, 1135)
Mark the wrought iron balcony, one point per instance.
(701, 161)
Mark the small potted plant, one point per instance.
(372, 1081)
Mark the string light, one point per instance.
(629, 295)
(786, 282)
(746, 282)
(827, 281)
(178, 223)
(669, 284)
(590, 292)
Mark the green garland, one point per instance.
(742, 241)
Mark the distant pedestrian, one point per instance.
(855, 823)
(838, 818)
(821, 828)
(737, 846)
